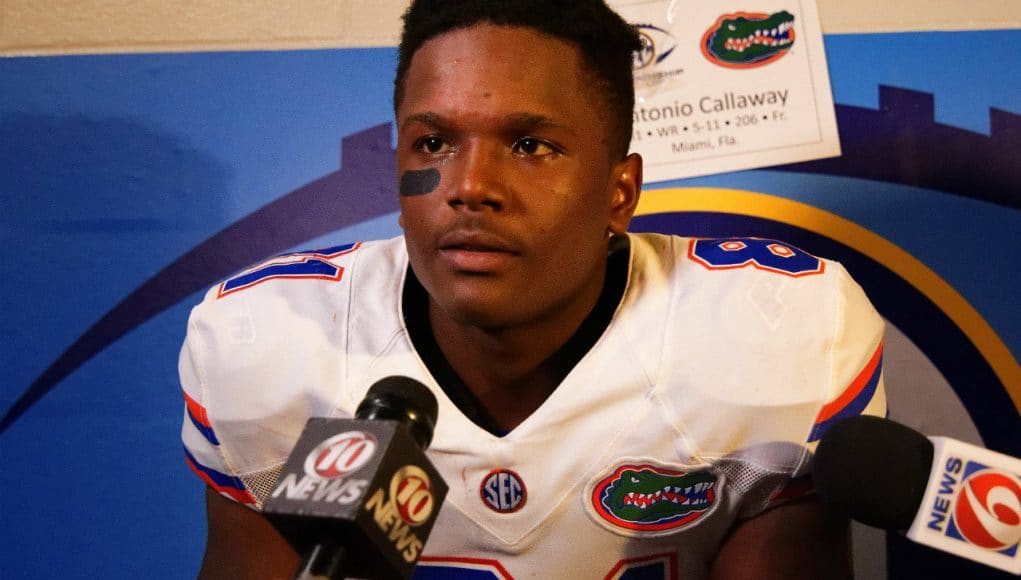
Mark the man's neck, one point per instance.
(511, 371)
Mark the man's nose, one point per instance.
(480, 182)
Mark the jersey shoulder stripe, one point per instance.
(199, 418)
(227, 485)
(854, 399)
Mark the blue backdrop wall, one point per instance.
(128, 184)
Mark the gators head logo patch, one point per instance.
(646, 499)
(746, 40)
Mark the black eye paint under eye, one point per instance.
(419, 181)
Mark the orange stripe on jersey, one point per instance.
(199, 418)
(197, 411)
(494, 567)
(225, 484)
(854, 389)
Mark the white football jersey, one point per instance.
(698, 406)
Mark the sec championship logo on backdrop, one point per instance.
(657, 44)
(655, 64)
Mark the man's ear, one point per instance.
(625, 189)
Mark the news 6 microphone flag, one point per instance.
(972, 505)
(949, 495)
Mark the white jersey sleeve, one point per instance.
(202, 450)
(261, 356)
(856, 355)
(786, 344)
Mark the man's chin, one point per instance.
(479, 310)
(491, 319)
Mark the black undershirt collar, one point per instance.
(416, 318)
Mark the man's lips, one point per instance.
(475, 250)
(475, 240)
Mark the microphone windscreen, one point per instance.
(873, 469)
(402, 399)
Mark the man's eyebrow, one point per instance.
(518, 121)
(532, 120)
(426, 118)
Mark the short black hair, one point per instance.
(606, 41)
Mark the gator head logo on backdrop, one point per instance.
(747, 40)
(646, 499)
(655, 64)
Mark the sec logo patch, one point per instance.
(503, 491)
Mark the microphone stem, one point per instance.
(323, 562)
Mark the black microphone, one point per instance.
(947, 494)
(358, 497)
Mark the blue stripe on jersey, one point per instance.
(217, 479)
(854, 407)
(205, 430)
